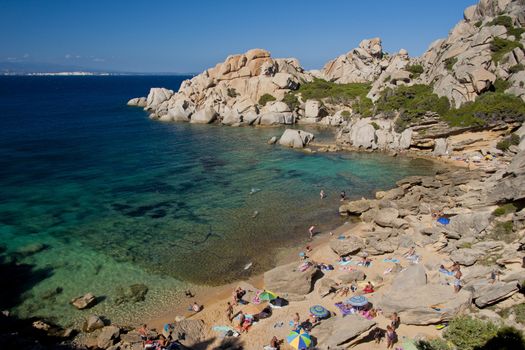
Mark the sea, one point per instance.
(96, 197)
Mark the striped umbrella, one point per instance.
(357, 300)
(267, 295)
(319, 311)
(299, 340)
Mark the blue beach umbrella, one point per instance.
(319, 311)
(357, 300)
(299, 340)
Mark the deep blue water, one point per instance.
(119, 198)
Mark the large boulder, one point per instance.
(314, 109)
(466, 256)
(355, 207)
(468, 224)
(493, 293)
(93, 323)
(386, 217)
(412, 277)
(347, 246)
(352, 276)
(138, 102)
(204, 116)
(511, 187)
(295, 138)
(288, 281)
(156, 97)
(337, 331)
(108, 336)
(194, 331)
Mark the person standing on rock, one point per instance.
(457, 280)
(322, 194)
(311, 231)
(343, 195)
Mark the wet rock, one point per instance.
(52, 293)
(355, 207)
(83, 302)
(132, 294)
(272, 141)
(31, 249)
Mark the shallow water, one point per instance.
(120, 199)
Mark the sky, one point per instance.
(190, 36)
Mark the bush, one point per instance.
(450, 62)
(291, 100)
(346, 115)
(264, 99)
(353, 94)
(501, 85)
(415, 70)
(503, 231)
(232, 92)
(517, 310)
(434, 344)
(375, 125)
(412, 102)
(504, 144)
(516, 68)
(506, 21)
(478, 24)
(488, 108)
(504, 209)
(500, 47)
(469, 333)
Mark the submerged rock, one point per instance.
(134, 293)
(83, 302)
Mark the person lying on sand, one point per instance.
(369, 288)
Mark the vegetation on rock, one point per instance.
(415, 70)
(504, 209)
(500, 47)
(232, 92)
(353, 94)
(506, 21)
(450, 62)
(291, 100)
(488, 108)
(264, 99)
(412, 102)
(516, 68)
(504, 144)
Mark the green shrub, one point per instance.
(478, 24)
(488, 108)
(504, 209)
(506, 21)
(504, 144)
(291, 100)
(507, 338)
(412, 102)
(500, 47)
(503, 231)
(501, 85)
(375, 125)
(232, 93)
(517, 310)
(353, 94)
(468, 333)
(434, 344)
(264, 99)
(450, 62)
(346, 115)
(415, 70)
(516, 68)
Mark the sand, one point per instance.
(260, 333)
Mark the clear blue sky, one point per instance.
(189, 36)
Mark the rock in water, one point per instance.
(133, 293)
(295, 138)
(86, 301)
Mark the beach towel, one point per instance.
(444, 221)
(344, 263)
(341, 237)
(345, 309)
(225, 330)
(446, 272)
(393, 260)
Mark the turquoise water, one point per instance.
(119, 199)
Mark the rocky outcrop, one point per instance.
(228, 92)
(339, 330)
(108, 337)
(138, 102)
(462, 65)
(295, 138)
(93, 323)
(289, 282)
(493, 293)
(355, 207)
(347, 246)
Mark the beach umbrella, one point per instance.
(357, 300)
(319, 311)
(299, 340)
(267, 295)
